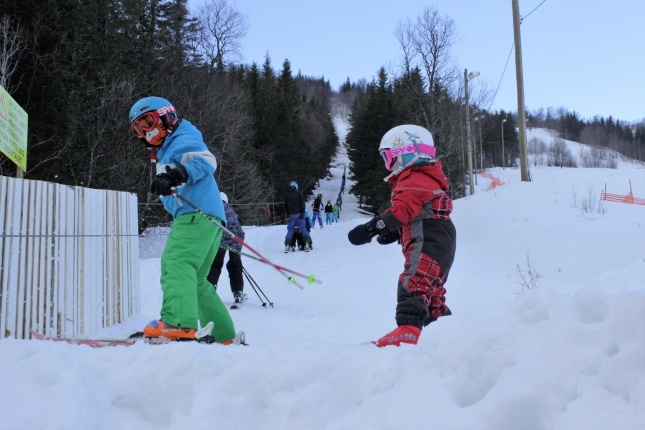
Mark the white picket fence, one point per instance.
(69, 258)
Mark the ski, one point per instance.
(100, 343)
(239, 339)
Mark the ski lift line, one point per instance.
(282, 270)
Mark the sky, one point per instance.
(568, 353)
(582, 55)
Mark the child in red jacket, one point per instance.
(420, 220)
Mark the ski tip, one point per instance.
(371, 342)
(36, 335)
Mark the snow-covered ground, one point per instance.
(548, 329)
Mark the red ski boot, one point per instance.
(402, 334)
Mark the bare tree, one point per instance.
(404, 33)
(13, 45)
(219, 108)
(429, 40)
(559, 154)
(221, 28)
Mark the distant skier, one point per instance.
(297, 239)
(420, 219)
(294, 206)
(317, 207)
(228, 244)
(329, 212)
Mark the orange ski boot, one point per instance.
(160, 329)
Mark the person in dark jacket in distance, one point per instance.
(329, 213)
(234, 264)
(420, 220)
(294, 207)
(317, 206)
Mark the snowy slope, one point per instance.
(567, 354)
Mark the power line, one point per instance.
(522, 19)
(504, 71)
(499, 84)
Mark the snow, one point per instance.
(548, 329)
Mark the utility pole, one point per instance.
(470, 146)
(521, 115)
(479, 119)
(467, 77)
(503, 155)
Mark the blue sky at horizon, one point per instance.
(584, 56)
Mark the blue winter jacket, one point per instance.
(186, 146)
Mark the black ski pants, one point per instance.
(233, 266)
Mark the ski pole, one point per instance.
(256, 287)
(274, 265)
(250, 279)
(292, 280)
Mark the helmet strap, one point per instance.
(401, 166)
(168, 125)
(153, 154)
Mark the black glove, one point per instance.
(164, 182)
(363, 234)
(389, 237)
(302, 216)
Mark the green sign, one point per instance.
(13, 130)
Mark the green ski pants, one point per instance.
(186, 260)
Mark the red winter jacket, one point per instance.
(421, 209)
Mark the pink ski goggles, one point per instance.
(390, 155)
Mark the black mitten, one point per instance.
(363, 234)
(389, 237)
(164, 182)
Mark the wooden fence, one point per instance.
(69, 258)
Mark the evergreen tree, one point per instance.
(370, 120)
(40, 84)
(291, 147)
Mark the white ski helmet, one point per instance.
(408, 145)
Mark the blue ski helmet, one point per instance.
(158, 109)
